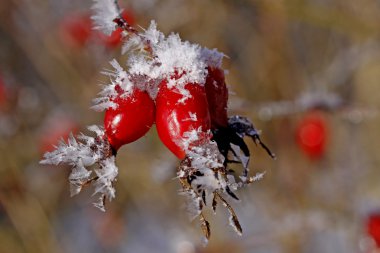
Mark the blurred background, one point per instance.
(305, 71)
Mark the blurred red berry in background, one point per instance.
(58, 126)
(373, 227)
(76, 30)
(3, 93)
(311, 134)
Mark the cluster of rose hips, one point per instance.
(205, 109)
(181, 88)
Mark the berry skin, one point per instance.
(174, 118)
(217, 97)
(312, 135)
(373, 227)
(131, 120)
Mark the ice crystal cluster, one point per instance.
(152, 57)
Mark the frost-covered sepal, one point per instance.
(81, 153)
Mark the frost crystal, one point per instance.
(119, 78)
(259, 176)
(192, 117)
(85, 151)
(212, 57)
(79, 175)
(105, 12)
(73, 153)
(193, 204)
(235, 224)
(106, 175)
(189, 138)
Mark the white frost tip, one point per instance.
(192, 117)
(105, 12)
(259, 176)
(106, 176)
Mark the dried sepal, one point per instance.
(202, 172)
(244, 127)
(234, 221)
(214, 203)
(205, 226)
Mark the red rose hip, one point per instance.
(131, 120)
(312, 135)
(177, 115)
(217, 97)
